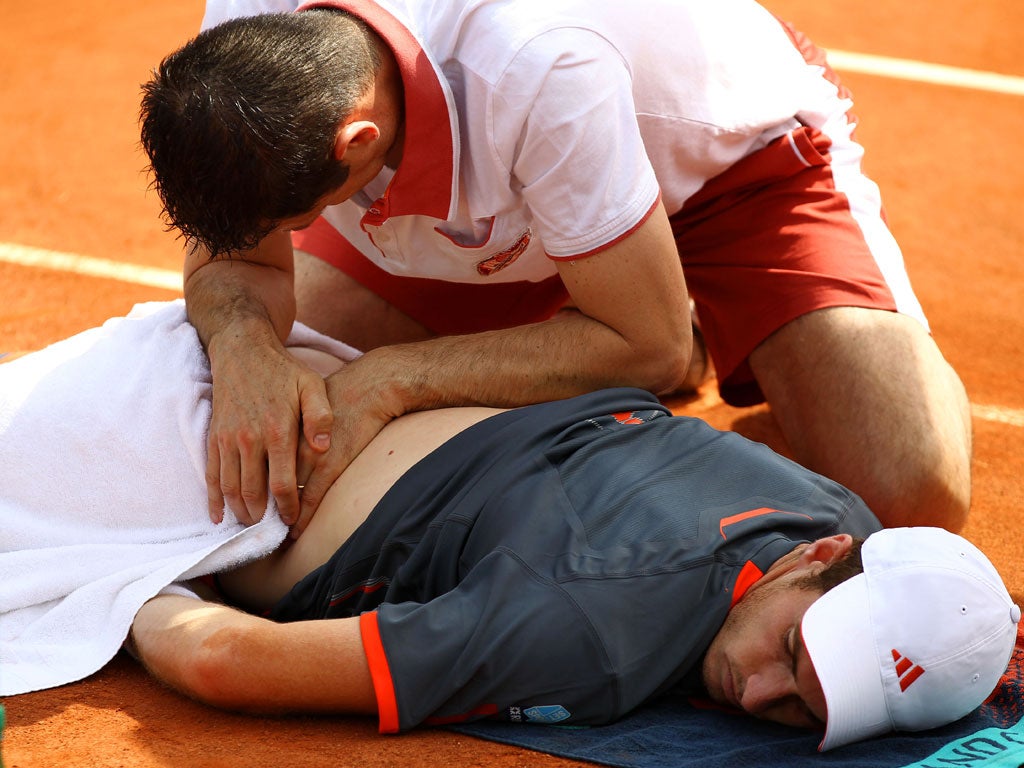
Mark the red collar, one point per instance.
(748, 576)
(424, 182)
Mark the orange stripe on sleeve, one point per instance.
(383, 685)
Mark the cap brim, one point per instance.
(838, 638)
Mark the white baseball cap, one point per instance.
(916, 641)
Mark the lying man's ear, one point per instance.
(813, 557)
(827, 550)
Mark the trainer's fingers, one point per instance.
(231, 481)
(320, 471)
(214, 496)
(243, 473)
(326, 469)
(253, 489)
(305, 462)
(283, 481)
(313, 492)
(316, 415)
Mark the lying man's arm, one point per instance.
(229, 659)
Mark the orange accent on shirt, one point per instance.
(749, 575)
(727, 521)
(380, 672)
(503, 258)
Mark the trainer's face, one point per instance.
(360, 175)
(365, 147)
(757, 661)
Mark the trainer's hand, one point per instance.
(261, 395)
(362, 407)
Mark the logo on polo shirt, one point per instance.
(547, 715)
(627, 417)
(502, 259)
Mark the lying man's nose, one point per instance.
(765, 690)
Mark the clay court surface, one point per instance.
(948, 158)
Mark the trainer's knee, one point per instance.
(939, 472)
(865, 397)
(925, 496)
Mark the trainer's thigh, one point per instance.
(335, 304)
(864, 396)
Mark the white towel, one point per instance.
(102, 490)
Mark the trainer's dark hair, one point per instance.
(239, 124)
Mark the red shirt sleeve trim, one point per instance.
(616, 241)
(380, 672)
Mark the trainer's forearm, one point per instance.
(241, 296)
(565, 356)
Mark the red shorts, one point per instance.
(772, 239)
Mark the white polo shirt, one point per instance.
(538, 131)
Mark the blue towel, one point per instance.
(673, 733)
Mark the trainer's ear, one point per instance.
(354, 136)
(827, 550)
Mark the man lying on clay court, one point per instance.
(558, 563)
(565, 562)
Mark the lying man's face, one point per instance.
(757, 661)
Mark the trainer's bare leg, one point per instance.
(865, 397)
(336, 305)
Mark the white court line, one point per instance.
(26, 256)
(708, 399)
(922, 72)
(1012, 416)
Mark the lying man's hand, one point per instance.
(261, 395)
